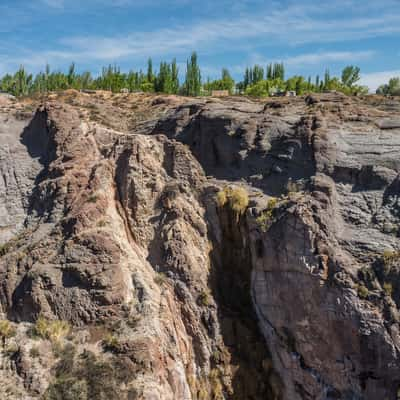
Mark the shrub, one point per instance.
(51, 330)
(266, 217)
(204, 299)
(111, 343)
(160, 279)
(216, 385)
(67, 388)
(34, 352)
(389, 257)
(88, 377)
(237, 199)
(4, 249)
(92, 198)
(6, 330)
(11, 350)
(362, 292)
(102, 223)
(388, 288)
(221, 198)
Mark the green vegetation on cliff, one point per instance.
(257, 81)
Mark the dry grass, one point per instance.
(236, 198)
(266, 217)
(7, 330)
(111, 343)
(388, 288)
(51, 330)
(5, 248)
(390, 257)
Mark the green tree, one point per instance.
(192, 86)
(22, 82)
(174, 77)
(71, 75)
(247, 78)
(257, 74)
(225, 83)
(150, 74)
(350, 76)
(394, 86)
(259, 89)
(270, 72)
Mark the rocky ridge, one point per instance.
(200, 248)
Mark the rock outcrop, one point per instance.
(199, 249)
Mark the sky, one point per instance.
(308, 36)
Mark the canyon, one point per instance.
(200, 248)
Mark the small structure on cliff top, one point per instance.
(220, 93)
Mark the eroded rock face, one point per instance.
(172, 294)
(320, 249)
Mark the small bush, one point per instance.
(92, 198)
(6, 330)
(389, 257)
(388, 288)
(266, 217)
(51, 330)
(5, 248)
(111, 343)
(362, 292)
(221, 198)
(204, 299)
(102, 223)
(11, 350)
(34, 352)
(67, 388)
(216, 385)
(160, 279)
(237, 199)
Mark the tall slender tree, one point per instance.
(175, 77)
(150, 74)
(192, 85)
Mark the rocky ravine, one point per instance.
(199, 248)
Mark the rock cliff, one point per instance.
(158, 247)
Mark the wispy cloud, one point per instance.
(294, 26)
(326, 58)
(375, 79)
(253, 27)
(316, 58)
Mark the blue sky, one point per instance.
(308, 36)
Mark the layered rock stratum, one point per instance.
(161, 248)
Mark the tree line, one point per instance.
(392, 88)
(257, 81)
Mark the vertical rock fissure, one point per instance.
(255, 377)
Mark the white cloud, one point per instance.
(320, 59)
(292, 27)
(375, 79)
(269, 24)
(325, 58)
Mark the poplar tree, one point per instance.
(175, 77)
(71, 75)
(150, 74)
(269, 72)
(192, 84)
(258, 74)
